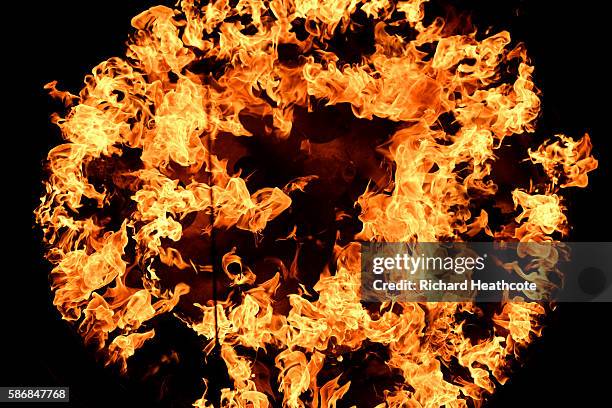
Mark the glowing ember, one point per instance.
(192, 168)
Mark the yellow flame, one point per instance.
(155, 104)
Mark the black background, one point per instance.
(62, 41)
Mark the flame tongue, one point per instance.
(395, 141)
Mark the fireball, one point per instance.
(224, 171)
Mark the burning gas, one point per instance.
(226, 168)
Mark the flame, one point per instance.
(141, 185)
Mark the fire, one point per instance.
(150, 210)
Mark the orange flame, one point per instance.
(138, 161)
